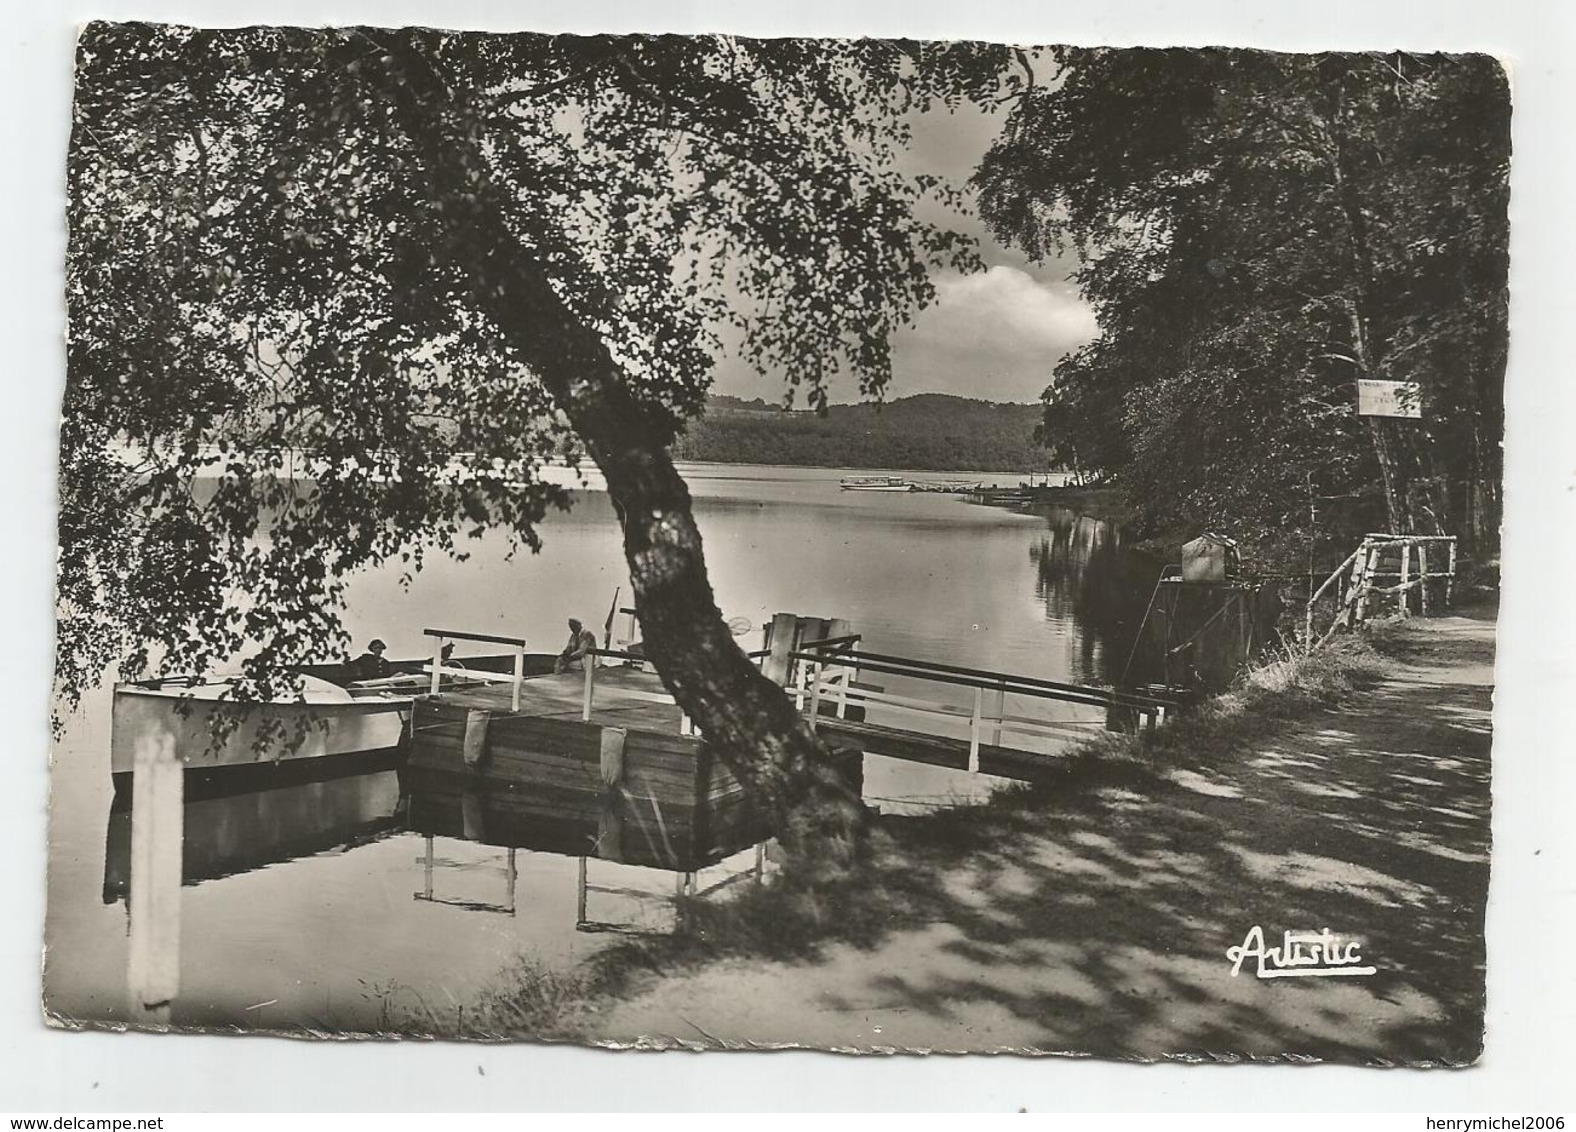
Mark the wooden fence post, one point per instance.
(580, 893)
(1450, 577)
(1354, 588)
(1373, 560)
(1422, 573)
(1403, 591)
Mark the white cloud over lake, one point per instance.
(995, 335)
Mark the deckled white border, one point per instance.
(1533, 761)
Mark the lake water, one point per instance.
(315, 906)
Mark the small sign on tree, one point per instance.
(1389, 399)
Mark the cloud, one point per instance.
(995, 335)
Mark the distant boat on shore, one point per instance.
(875, 483)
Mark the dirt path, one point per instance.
(1103, 927)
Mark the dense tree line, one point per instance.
(930, 432)
(1257, 233)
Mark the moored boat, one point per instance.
(213, 732)
(875, 483)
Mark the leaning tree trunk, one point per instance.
(747, 720)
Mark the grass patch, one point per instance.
(527, 1000)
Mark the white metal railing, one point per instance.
(828, 670)
(588, 695)
(442, 637)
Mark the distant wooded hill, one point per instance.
(930, 431)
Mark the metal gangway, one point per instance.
(828, 678)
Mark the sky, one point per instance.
(994, 335)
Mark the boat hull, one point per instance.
(211, 734)
(875, 483)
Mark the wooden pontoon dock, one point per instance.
(602, 764)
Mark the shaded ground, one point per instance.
(1098, 922)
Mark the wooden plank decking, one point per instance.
(625, 697)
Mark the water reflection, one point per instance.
(243, 831)
(1086, 573)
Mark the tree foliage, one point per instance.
(422, 263)
(1256, 233)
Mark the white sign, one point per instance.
(1389, 399)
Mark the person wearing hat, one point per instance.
(582, 643)
(370, 665)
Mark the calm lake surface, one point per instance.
(313, 905)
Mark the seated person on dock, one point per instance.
(370, 665)
(446, 658)
(582, 642)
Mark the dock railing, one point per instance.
(442, 637)
(829, 669)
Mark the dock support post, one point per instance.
(519, 677)
(473, 746)
(974, 730)
(437, 665)
(590, 692)
(779, 664)
(511, 874)
(157, 831)
(610, 821)
(426, 869)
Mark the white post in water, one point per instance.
(153, 968)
